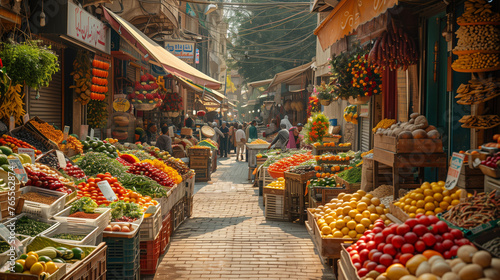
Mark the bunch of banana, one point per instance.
(81, 76)
(480, 122)
(476, 61)
(97, 114)
(478, 11)
(12, 104)
(478, 90)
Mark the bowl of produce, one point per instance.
(276, 174)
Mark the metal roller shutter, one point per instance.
(131, 70)
(365, 134)
(49, 106)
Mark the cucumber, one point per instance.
(58, 260)
(51, 253)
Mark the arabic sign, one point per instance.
(182, 49)
(454, 170)
(85, 28)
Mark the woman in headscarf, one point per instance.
(286, 122)
(293, 137)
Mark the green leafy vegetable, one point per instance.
(121, 208)
(94, 163)
(352, 175)
(84, 204)
(142, 184)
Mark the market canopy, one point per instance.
(213, 94)
(260, 83)
(347, 16)
(167, 60)
(290, 74)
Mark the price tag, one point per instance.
(454, 170)
(92, 133)
(66, 132)
(61, 159)
(26, 118)
(106, 190)
(12, 123)
(84, 132)
(18, 169)
(476, 162)
(150, 210)
(27, 151)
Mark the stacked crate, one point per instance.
(200, 161)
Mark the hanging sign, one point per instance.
(197, 58)
(86, 28)
(121, 105)
(454, 170)
(181, 49)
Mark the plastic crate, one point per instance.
(100, 222)
(40, 209)
(150, 255)
(122, 250)
(71, 228)
(123, 270)
(165, 233)
(54, 224)
(4, 257)
(151, 226)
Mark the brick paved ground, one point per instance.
(228, 236)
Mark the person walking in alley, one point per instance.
(217, 135)
(241, 140)
(223, 142)
(280, 141)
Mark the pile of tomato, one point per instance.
(15, 143)
(90, 189)
(284, 164)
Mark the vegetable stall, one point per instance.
(88, 207)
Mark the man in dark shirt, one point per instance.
(164, 142)
(252, 131)
(189, 122)
(223, 141)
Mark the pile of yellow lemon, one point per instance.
(277, 184)
(349, 215)
(32, 264)
(429, 199)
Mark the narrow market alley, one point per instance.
(228, 236)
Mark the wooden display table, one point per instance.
(407, 161)
(324, 149)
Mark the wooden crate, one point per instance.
(196, 162)
(188, 206)
(295, 202)
(202, 175)
(349, 187)
(93, 267)
(274, 191)
(275, 207)
(346, 264)
(265, 177)
(395, 145)
(178, 214)
(322, 149)
(199, 152)
(328, 248)
(398, 212)
(491, 184)
(470, 178)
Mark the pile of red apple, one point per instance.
(384, 245)
(492, 161)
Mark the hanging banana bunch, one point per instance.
(12, 104)
(97, 114)
(81, 77)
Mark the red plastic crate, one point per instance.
(150, 255)
(165, 233)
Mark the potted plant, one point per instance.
(325, 92)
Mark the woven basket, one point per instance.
(207, 131)
(325, 102)
(186, 131)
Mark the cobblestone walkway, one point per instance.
(228, 236)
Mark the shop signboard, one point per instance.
(182, 49)
(84, 27)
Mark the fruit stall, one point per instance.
(87, 209)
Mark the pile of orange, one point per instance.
(332, 158)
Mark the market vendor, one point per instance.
(281, 140)
(252, 131)
(164, 142)
(293, 138)
(151, 133)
